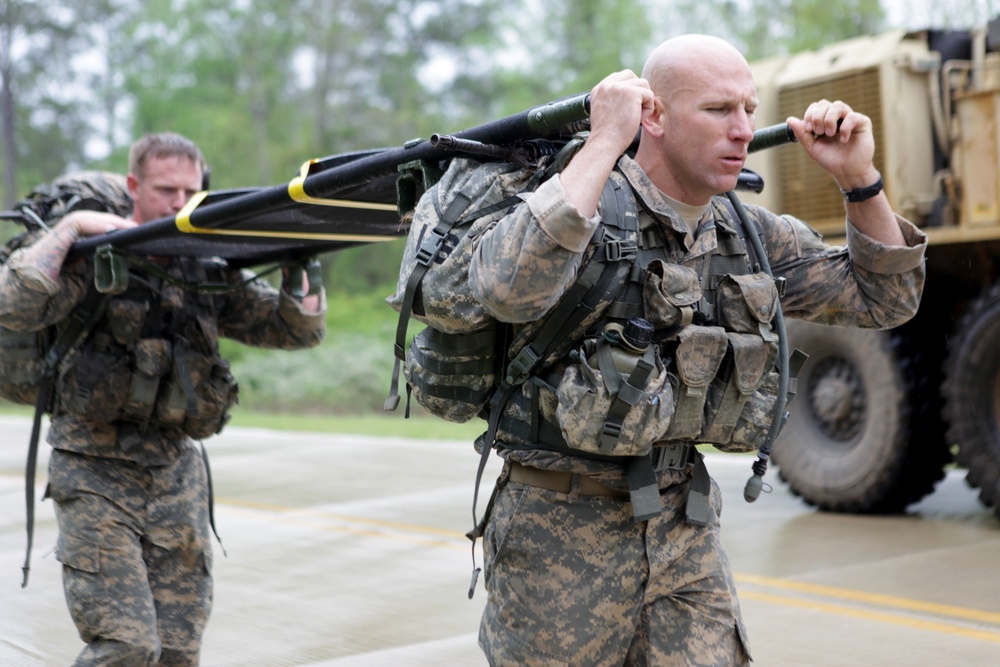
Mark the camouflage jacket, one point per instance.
(255, 314)
(529, 258)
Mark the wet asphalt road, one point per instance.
(350, 551)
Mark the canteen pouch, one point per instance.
(588, 411)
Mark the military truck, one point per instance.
(879, 415)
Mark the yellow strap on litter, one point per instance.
(297, 191)
(183, 222)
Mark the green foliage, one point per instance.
(348, 373)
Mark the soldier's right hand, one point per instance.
(618, 104)
(93, 223)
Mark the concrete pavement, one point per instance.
(348, 551)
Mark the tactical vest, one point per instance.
(152, 359)
(714, 337)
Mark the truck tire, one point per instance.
(858, 439)
(972, 395)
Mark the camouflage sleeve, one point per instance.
(262, 316)
(30, 299)
(864, 283)
(530, 257)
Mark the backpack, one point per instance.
(451, 365)
(26, 356)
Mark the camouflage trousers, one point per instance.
(574, 580)
(134, 544)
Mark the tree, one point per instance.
(42, 129)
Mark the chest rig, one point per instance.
(152, 361)
(713, 337)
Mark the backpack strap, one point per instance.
(80, 322)
(602, 276)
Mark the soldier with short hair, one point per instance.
(129, 483)
(575, 573)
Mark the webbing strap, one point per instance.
(81, 320)
(427, 250)
(211, 497)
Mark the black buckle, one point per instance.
(671, 457)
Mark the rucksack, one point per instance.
(26, 356)
(450, 366)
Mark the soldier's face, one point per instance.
(164, 187)
(708, 123)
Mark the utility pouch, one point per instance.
(744, 302)
(152, 362)
(755, 421)
(699, 355)
(600, 413)
(452, 374)
(751, 358)
(670, 294)
(124, 320)
(216, 395)
(97, 384)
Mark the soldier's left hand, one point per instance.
(840, 140)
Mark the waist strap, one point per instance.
(562, 482)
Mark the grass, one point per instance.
(388, 424)
(384, 424)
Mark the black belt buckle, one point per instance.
(671, 457)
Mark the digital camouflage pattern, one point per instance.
(526, 260)
(567, 575)
(131, 494)
(574, 580)
(137, 557)
(21, 352)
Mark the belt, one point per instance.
(675, 456)
(557, 480)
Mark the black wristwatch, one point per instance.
(861, 194)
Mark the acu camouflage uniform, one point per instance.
(572, 578)
(130, 486)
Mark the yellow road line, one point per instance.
(452, 539)
(872, 598)
(379, 523)
(878, 616)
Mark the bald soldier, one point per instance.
(575, 573)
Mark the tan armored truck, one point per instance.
(878, 415)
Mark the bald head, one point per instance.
(694, 141)
(681, 61)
